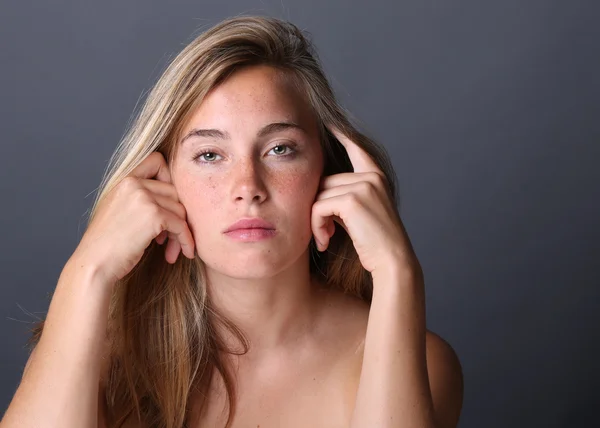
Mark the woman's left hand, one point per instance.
(360, 202)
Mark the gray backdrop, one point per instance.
(489, 109)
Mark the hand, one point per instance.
(142, 207)
(360, 202)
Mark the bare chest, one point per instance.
(322, 397)
(316, 390)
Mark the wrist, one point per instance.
(86, 271)
(399, 274)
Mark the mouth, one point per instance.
(250, 223)
(252, 234)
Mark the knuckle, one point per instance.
(158, 157)
(367, 187)
(316, 206)
(182, 207)
(141, 196)
(160, 224)
(180, 210)
(172, 192)
(155, 214)
(374, 179)
(154, 156)
(379, 179)
(352, 200)
(129, 183)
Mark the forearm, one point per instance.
(394, 389)
(59, 388)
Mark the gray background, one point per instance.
(489, 109)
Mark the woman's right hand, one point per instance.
(142, 207)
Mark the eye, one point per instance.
(289, 149)
(206, 159)
(281, 150)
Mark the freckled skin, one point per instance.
(250, 177)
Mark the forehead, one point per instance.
(250, 98)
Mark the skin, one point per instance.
(317, 358)
(307, 344)
(292, 323)
(263, 286)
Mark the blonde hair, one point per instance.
(162, 335)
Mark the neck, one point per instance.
(274, 313)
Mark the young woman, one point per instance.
(297, 301)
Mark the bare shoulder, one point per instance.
(445, 379)
(351, 315)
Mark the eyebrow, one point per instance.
(271, 128)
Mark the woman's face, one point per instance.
(246, 173)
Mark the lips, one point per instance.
(250, 223)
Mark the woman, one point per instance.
(297, 300)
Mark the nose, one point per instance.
(248, 183)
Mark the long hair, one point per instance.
(162, 333)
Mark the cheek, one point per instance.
(300, 182)
(297, 192)
(202, 202)
(293, 191)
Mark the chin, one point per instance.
(245, 271)
(247, 264)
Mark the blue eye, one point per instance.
(202, 153)
(289, 147)
(289, 150)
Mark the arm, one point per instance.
(60, 383)
(409, 378)
(406, 381)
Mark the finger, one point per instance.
(153, 166)
(173, 249)
(173, 244)
(322, 240)
(175, 207)
(160, 239)
(159, 187)
(361, 161)
(324, 213)
(365, 190)
(345, 178)
(179, 228)
(171, 205)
